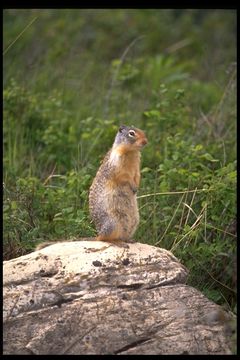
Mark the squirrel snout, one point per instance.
(144, 142)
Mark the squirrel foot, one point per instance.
(112, 241)
(131, 241)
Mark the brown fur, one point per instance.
(112, 198)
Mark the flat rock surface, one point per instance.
(87, 297)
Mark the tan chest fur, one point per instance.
(126, 167)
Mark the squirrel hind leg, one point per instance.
(110, 233)
(112, 241)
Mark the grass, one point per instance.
(68, 85)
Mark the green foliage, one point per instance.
(35, 211)
(72, 77)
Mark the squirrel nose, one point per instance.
(144, 142)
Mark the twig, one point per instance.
(50, 176)
(13, 42)
(114, 78)
(173, 193)
(219, 282)
(224, 231)
(227, 87)
(170, 221)
(182, 216)
(205, 224)
(194, 225)
(190, 208)
(179, 45)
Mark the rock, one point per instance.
(89, 297)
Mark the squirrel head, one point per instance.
(131, 136)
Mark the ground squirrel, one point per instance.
(112, 197)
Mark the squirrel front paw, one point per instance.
(133, 188)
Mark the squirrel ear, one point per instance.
(121, 128)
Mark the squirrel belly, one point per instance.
(115, 212)
(112, 197)
(126, 168)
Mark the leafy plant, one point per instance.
(72, 77)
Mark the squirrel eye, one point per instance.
(131, 133)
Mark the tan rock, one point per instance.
(89, 297)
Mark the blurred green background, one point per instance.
(71, 77)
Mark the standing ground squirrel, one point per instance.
(112, 198)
